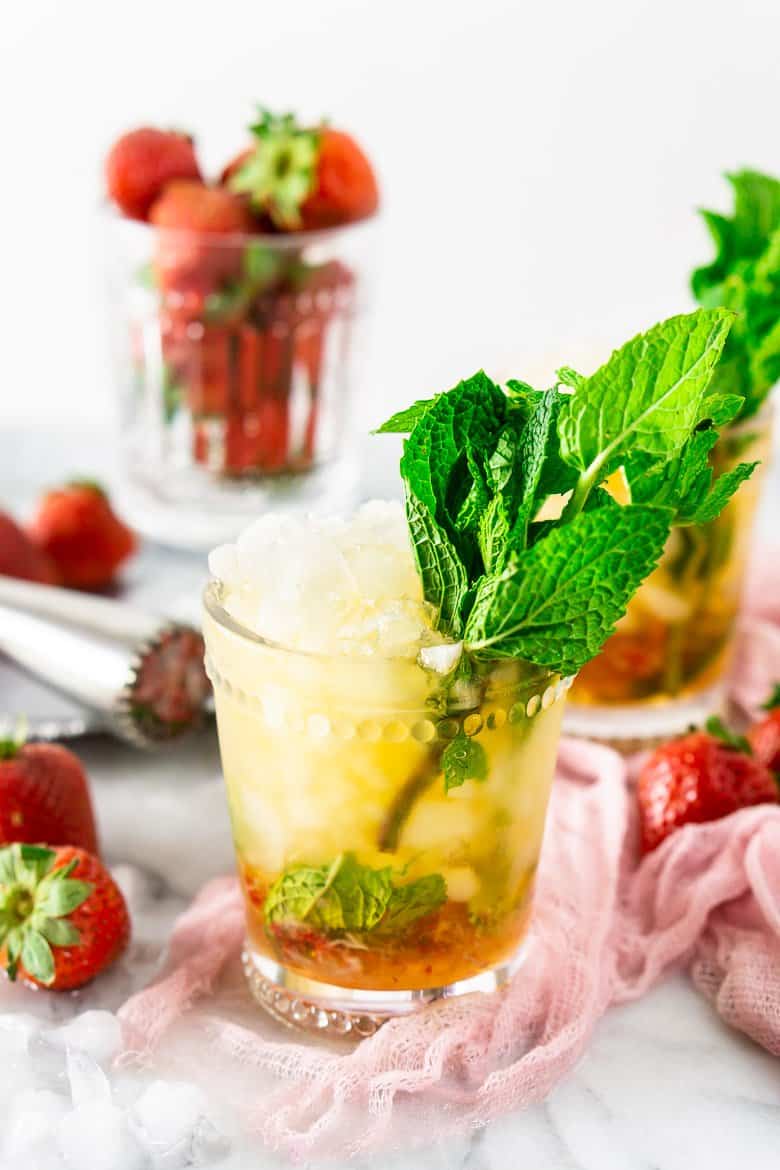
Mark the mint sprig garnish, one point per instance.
(745, 277)
(479, 464)
(463, 759)
(346, 897)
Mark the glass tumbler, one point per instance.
(665, 666)
(370, 888)
(237, 358)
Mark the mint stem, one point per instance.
(406, 798)
(579, 496)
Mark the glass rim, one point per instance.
(213, 605)
(281, 241)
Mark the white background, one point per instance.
(540, 163)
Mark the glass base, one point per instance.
(186, 509)
(640, 726)
(336, 1011)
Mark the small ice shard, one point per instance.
(97, 1033)
(96, 1136)
(171, 1122)
(88, 1083)
(30, 1123)
(442, 658)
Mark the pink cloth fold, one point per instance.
(606, 927)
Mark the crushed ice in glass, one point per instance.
(329, 585)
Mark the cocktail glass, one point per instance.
(665, 666)
(335, 773)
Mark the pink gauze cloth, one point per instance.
(605, 928)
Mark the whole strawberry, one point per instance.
(44, 796)
(699, 777)
(64, 918)
(142, 162)
(192, 255)
(298, 177)
(764, 736)
(20, 557)
(78, 530)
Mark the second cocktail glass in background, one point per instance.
(665, 667)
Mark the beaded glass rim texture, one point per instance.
(393, 728)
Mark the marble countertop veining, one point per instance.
(664, 1084)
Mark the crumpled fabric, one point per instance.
(606, 926)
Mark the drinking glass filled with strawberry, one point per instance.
(239, 296)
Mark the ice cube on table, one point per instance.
(88, 1083)
(171, 1121)
(97, 1033)
(32, 1119)
(96, 1136)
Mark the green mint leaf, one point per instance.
(559, 603)
(647, 397)
(405, 420)
(756, 211)
(680, 483)
(470, 415)
(719, 495)
(37, 957)
(344, 896)
(412, 901)
(55, 899)
(541, 469)
(441, 570)
(494, 531)
(569, 377)
(347, 897)
(523, 391)
(717, 728)
(722, 408)
(463, 759)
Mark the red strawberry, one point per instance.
(142, 162)
(20, 557)
(345, 188)
(765, 736)
(700, 777)
(44, 796)
(185, 262)
(304, 178)
(64, 918)
(77, 527)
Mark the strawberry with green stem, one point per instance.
(303, 178)
(63, 918)
(764, 736)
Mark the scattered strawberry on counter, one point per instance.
(708, 774)
(44, 796)
(243, 324)
(21, 557)
(64, 917)
(78, 530)
(764, 736)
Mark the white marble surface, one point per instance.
(663, 1086)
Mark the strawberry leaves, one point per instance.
(35, 901)
(281, 171)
